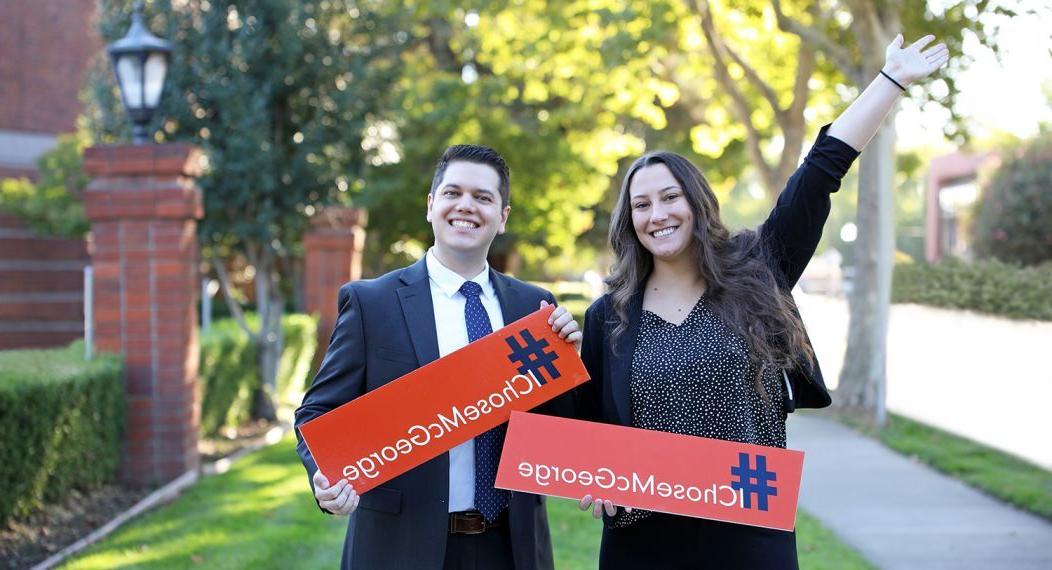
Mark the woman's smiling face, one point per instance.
(661, 214)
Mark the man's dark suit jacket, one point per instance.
(386, 329)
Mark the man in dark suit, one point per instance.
(444, 513)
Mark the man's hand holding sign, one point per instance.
(408, 421)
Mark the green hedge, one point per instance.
(983, 286)
(229, 372)
(61, 422)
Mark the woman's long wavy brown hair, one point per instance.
(741, 288)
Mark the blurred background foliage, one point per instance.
(303, 104)
(299, 105)
(1014, 217)
(52, 205)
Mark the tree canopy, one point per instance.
(302, 104)
(279, 95)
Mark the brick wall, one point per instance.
(41, 287)
(45, 46)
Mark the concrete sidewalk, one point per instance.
(901, 514)
(944, 369)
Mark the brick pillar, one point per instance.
(144, 205)
(333, 250)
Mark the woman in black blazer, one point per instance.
(699, 334)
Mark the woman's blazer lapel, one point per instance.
(621, 360)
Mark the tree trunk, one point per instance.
(862, 388)
(862, 379)
(270, 305)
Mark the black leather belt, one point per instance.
(472, 522)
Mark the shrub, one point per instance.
(229, 369)
(294, 368)
(990, 287)
(1014, 217)
(53, 205)
(228, 374)
(61, 421)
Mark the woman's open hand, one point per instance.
(913, 62)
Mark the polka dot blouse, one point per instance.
(695, 378)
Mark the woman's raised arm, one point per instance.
(902, 66)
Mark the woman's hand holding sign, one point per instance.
(599, 506)
(339, 499)
(564, 325)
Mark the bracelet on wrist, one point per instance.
(891, 79)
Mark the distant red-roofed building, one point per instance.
(953, 189)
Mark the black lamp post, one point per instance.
(140, 62)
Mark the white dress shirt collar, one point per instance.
(449, 281)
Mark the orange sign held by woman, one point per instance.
(425, 413)
(653, 470)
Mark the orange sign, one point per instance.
(425, 413)
(657, 471)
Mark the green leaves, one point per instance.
(300, 104)
(562, 90)
(1014, 216)
(52, 205)
(991, 287)
(62, 420)
(277, 93)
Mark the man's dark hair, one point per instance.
(479, 155)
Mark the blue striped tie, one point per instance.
(489, 500)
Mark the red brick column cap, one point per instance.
(169, 159)
(338, 219)
(324, 241)
(151, 181)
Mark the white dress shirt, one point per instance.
(452, 331)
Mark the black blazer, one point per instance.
(385, 329)
(789, 235)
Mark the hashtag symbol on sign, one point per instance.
(754, 481)
(531, 356)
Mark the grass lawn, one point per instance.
(1004, 476)
(575, 537)
(260, 515)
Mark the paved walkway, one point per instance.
(901, 514)
(983, 377)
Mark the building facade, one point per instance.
(45, 48)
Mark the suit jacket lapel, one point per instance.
(418, 312)
(511, 304)
(621, 369)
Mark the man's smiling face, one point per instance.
(465, 210)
